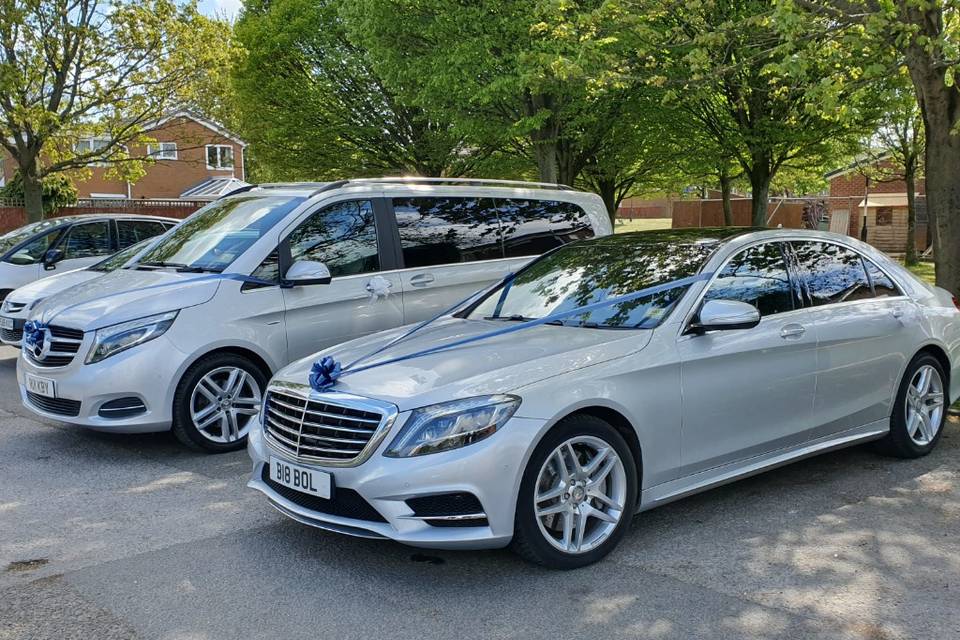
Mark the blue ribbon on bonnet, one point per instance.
(323, 382)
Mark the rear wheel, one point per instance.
(577, 495)
(919, 410)
(217, 402)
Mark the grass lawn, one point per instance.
(644, 224)
(924, 270)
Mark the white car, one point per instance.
(18, 304)
(55, 245)
(189, 335)
(549, 425)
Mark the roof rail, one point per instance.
(454, 181)
(238, 190)
(336, 184)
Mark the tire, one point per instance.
(226, 412)
(909, 438)
(532, 535)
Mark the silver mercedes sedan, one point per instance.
(606, 378)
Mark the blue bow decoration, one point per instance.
(33, 333)
(324, 373)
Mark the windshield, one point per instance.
(584, 273)
(121, 257)
(12, 238)
(218, 234)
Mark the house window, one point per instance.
(89, 145)
(219, 156)
(162, 151)
(884, 216)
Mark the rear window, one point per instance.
(532, 227)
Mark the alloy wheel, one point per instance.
(580, 494)
(224, 404)
(924, 405)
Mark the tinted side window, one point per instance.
(447, 230)
(343, 236)
(532, 227)
(833, 273)
(757, 275)
(882, 285)
(268, 270)
(33, 251)
(133, 231)
(87, 240)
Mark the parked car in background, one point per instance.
(20, 302)
(779, 345)
(190, 335)
(55, 245)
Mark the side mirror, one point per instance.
(725, 315)
(304, 272)
(51, 257)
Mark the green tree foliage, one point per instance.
(313, 105)
(57, 191)
(99, 69)
(541, 78)
(765, 100)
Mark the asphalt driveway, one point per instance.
(132, 537)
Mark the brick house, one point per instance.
(193, 159)
(882, 202)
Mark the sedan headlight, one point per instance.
(451, 425)
(112, 340)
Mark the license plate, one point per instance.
(41, 386)
(302, 479)
(6, 323)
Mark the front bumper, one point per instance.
(490, 470)
(12, 336)
(147, 372)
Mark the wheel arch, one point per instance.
(940, 354)
(616, 419)
(252, 355)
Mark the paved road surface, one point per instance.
(132, 537)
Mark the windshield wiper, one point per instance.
(519, 318)
(161, 265)
(194, 269)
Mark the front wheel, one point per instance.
(577, 495)
(217, 402)
(919, 410)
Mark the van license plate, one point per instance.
(41, 386)
(302, 479)
(6, 323)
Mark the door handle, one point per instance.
(378, 286)
(421, 279)
(792, 331)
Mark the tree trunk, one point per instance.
(32, 192)
(910, 257)
(544, 139)
(725, 188)
(760, 193)
(607, 188)
(940, 107)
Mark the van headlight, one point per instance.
(112, 340)
(451, 425)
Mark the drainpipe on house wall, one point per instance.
(866, 198)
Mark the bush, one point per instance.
(58, 191)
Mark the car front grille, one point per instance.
(9, 306)
(64, 344)
(11, 335)
(315, 430)
(59, 406)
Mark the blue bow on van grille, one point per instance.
(33, 333)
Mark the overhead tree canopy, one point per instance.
(313, 105)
